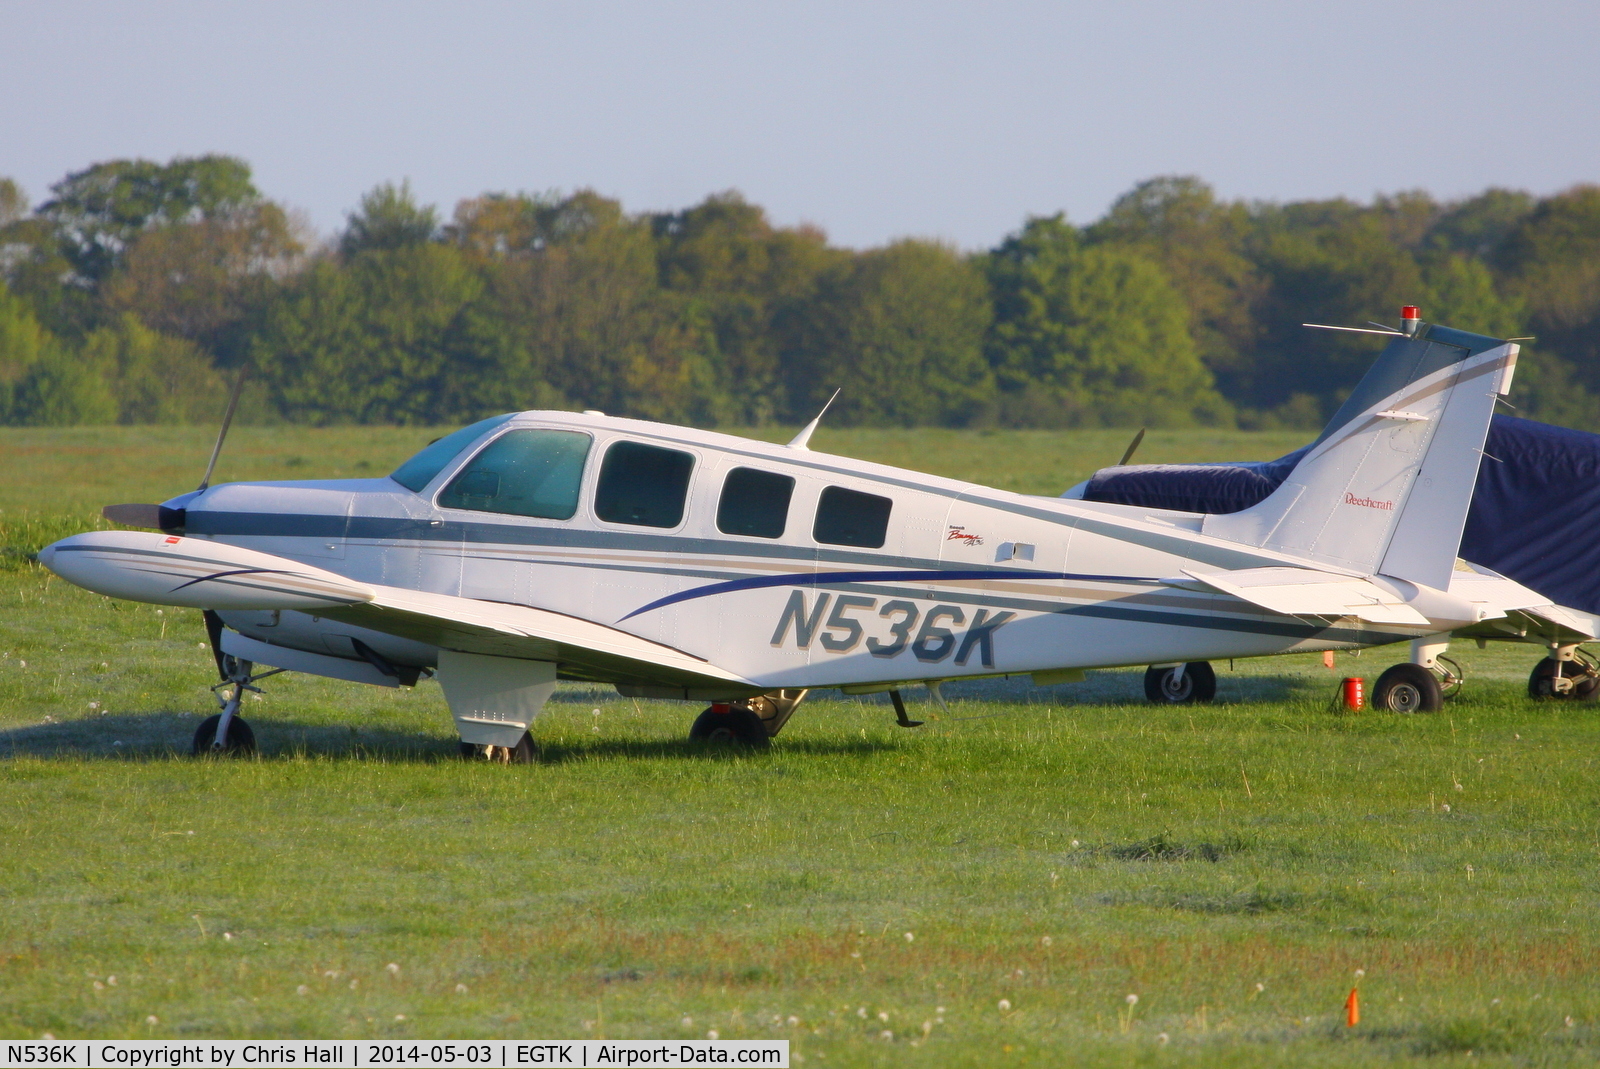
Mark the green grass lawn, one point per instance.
(984, 890)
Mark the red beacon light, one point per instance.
(1410, 319)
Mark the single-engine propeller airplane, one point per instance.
(678, 563)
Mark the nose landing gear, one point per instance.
(226, 734)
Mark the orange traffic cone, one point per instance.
(1352, 1009)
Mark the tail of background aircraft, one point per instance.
(1386, 487)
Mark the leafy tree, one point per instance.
(390, 218)
(900, 330)
(1179, 223)
(1551, 261)
(155, 378)
(1091, 336)
(200, 280)
(368, 342)
(23, 343)
(740, 272)
(96, 213)
(13, 202)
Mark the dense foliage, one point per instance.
(137, 289)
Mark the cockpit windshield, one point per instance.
(419, 471)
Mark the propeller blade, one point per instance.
(1128, 455)
(153, 517)
(227, 421)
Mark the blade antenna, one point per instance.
(227, 421)
(802, 440)
(1128, 453)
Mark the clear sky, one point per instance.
(953, 120)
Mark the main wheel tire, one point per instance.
(1407, 688)
(730, 725)
(1543, 685)
(525, 752)
(1198, 684)
(241, 740)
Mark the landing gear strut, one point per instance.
(225, 734)
(1568, 674)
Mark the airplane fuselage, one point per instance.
(787, 567)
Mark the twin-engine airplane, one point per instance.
(678, 563)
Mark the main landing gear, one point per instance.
(525, 752)
(1180, 684)
(751, 722)
(226, 734)
(1568, 674)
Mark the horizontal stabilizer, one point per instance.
(1302, 592)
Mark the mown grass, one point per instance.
(1049, 851)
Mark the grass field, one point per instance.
(986, 890)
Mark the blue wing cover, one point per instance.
(1535, 514)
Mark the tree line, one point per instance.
(137, 290)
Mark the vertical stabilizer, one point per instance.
(1386, 487)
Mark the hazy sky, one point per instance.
(949, 120)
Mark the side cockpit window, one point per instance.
(419, 471)
(524, 472)
(643, 485)
(754, 503)
(851, 518)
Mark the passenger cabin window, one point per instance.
(524, 472)
(754, 503)
(419, 471)
(644, 485)
(850, 518)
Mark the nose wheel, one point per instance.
(226, 734)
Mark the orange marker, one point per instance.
(1352, 1009)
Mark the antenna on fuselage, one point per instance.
(227, 421)
(802, 440)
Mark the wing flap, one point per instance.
(1303, 592)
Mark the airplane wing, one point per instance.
(1303, 592)
(165, 569)
(581, 649)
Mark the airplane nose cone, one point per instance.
(47, 555)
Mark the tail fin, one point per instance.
(1386, 487)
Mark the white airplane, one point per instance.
(687, 564)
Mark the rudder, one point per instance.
(1386, 487)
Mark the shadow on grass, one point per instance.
(164, 736)
(1119, 687)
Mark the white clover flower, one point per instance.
(1132, 1000)
(302, 990)
(461, 989)
(910, 936)
(1046, 941)
(394, 968)
(687, 1022)
(152, 1019)
(1005, 1005)
(712, 1034)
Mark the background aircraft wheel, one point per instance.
(525, 752)
(1562, 680)
(1408, 688)
(1199, 684)
(733, 724)
(241, 740)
